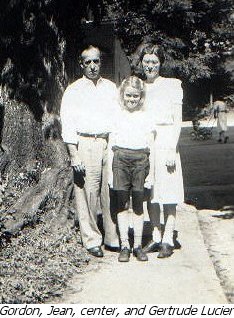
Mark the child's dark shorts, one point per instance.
(130, 169)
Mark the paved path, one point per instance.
(187, 277)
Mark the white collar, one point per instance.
(89, 81)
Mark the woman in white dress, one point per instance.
(164, 102)
(220, 112)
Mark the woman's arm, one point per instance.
(173, 130)
(176, 99)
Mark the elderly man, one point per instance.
(88, 106)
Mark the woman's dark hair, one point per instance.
(141, 51)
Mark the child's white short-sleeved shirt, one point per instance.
(132, 130)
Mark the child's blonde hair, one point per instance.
(135, 82)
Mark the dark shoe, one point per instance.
(177, 244)
(219, 140)
(152, 247)
(226, 139)
(140, 255)
(165, 251)
(112, 248)
(124, 255)
(96, 251)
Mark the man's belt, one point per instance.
(103, 136)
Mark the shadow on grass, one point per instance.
(210, 200)
(226, 216)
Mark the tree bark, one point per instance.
(21, 137)
(24, 139)
(54, 187)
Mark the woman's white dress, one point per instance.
(164, 103)
(221, 108)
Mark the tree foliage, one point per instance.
(196, 34)
(37, 41)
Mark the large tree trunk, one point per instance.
(54, 189)
(21, 137)
(27, 143)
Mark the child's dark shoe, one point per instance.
(124, 255)
(177, 244)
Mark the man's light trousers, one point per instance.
(93, 152)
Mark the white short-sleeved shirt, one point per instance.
(88, 108)
(132, 130)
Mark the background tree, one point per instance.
(39, 43)
(197, 37)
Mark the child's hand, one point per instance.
(110, 182)
(110, 179)
(149, 182)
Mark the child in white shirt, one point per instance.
(131, 141)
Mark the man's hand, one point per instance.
(80, 168)
(79, 174)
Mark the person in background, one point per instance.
(164, 102)
(220, 112)
(87, 110)
(131, 142)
